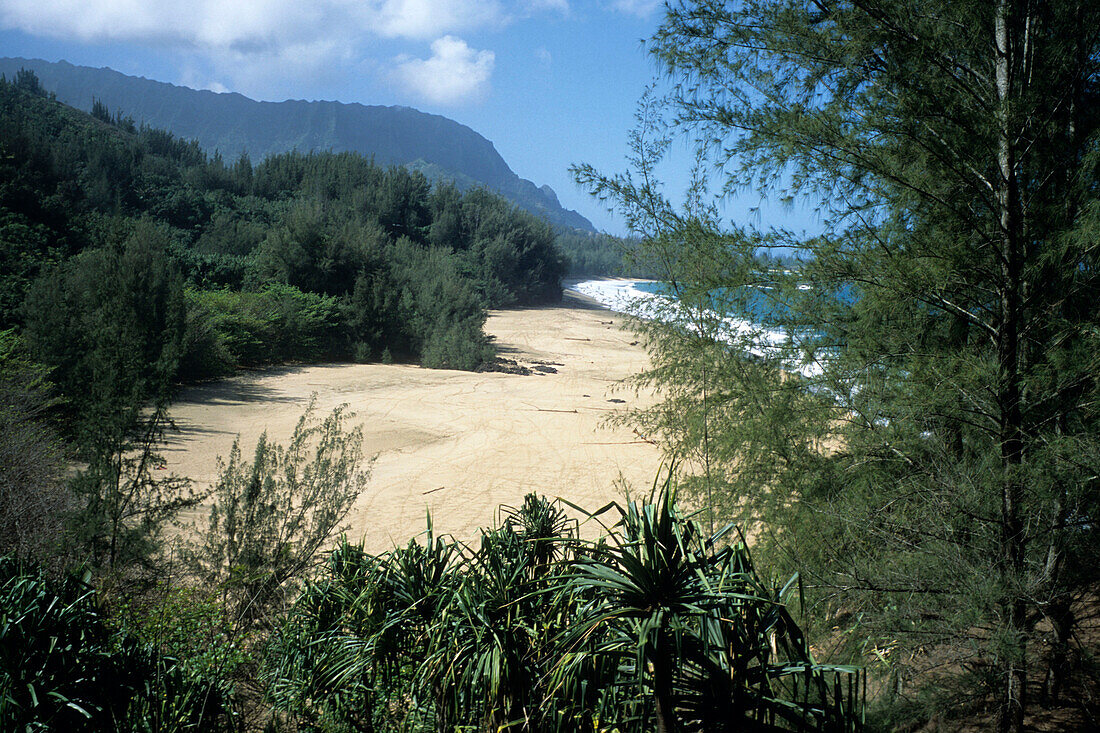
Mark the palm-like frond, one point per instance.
(657, 625)
(696, 630)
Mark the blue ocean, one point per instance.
(759, 305)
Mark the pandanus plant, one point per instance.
(65, 666)
(691, 637)
(491, 642)
(655, 626)
(351, 652)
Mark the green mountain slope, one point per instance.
(231, 124)
(303, 256)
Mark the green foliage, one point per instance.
(655, 625)
(686, 621)
(443, 312)
(109, 322)
(34, 497)
(271, 516)
(187, 623)
(62, 666)
(228, 329)
(920, 436)
(27, 81)
(328, 225)
(601, 254)
(509, 254)
(100, 111)
(312, 252)
(124, 502)
(25, 247)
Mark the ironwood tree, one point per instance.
(931, 407)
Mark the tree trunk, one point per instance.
(663, 687)
(1063, 620)
(1012, 700)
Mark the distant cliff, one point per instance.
(231, 123)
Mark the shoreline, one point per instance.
(619, 295)
(457, 444)
(616, 294)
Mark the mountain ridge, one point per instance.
(231, 123)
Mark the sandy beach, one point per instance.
(459, 444)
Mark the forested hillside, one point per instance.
(441, 148)
(299, 257)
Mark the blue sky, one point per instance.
(550, 82)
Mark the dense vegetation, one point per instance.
(297, 257)
(438, 147)
(658, 626)
(920, 435)
(603, 254)
(64, 664)
(916, 433)
(131, 262)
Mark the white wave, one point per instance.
(625, 296)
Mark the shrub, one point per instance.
(655, 626)
(271, 516)
(228, 329)
(34, 497)
(62, 666)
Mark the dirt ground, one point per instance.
(459, 444)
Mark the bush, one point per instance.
(271, 516)
(456, 346)
(62, 667)
(656, 626)
(34, 497)
(444, 314)
(227, 329)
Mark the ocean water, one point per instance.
(757, 304)
(754, 329)
(625, 296)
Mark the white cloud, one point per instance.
(429, 18)
(454, 73)
(195, 80)
(247, 24)
(261, 47)
(543, 56)
(269, 73)
(640, 8)
(202, 23)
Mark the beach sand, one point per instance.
(459, 444)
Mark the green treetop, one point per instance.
(925, 439)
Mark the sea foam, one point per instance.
(625, 296)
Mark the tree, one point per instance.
(110, 323)
(932, 404)
(271, 517)
(34, 497)
(327, 224)
(28, 81)
(124, 503)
